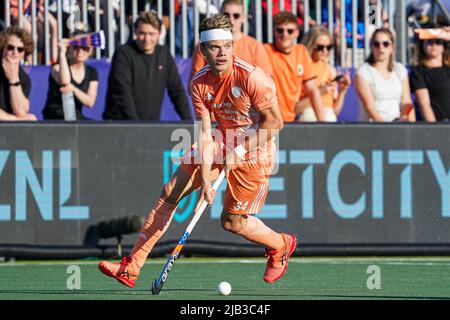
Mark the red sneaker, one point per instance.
(123, 272)
(277, 260)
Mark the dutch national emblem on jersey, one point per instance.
(209, 96)
(236, 92)
(299, 70)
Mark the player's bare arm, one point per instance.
(271, 123)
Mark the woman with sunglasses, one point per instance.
(15, 84)
(382, 84)
(332, 87)
(71, 75)
(430, 77)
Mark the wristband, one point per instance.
(240, 151)
(18, 83)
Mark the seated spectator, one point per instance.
(15, 84)
(382, 84)
(288, 6)
(152, 5)
(71, 75)
(430, 77)
(292, 67)
(319, 44)
(140, 73)
(244, 46)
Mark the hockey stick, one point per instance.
(158, 283)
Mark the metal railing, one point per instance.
(111, 17)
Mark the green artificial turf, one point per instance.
(197, 279)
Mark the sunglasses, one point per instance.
(282, 30)
(431, 42)
(234, 15)
(377, 44)
(321, 47)
(10, 47)
(86, 49)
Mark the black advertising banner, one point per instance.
(333, 184)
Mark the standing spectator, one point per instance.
(15, 84)
(203, 6)
(40, 24)
(319, 44)
(430, 77)
(140, 72)
(292, 67)
(71, 15)
(244, 46)
(346, 5)
(74, 76)
(421, 11)
(382, 84)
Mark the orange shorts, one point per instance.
(247, 185)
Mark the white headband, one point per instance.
(215, 34)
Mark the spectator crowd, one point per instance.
(310, 87)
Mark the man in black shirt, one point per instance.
(140, 72)
(15, 84)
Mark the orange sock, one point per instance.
(256, 231)
(157, 222)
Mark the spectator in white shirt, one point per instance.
(382, 84)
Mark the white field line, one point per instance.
(425, 261)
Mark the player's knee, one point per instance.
(232, 223)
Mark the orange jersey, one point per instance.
(290, 71)
(247, 48)
(324, 74)
(235, 98)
